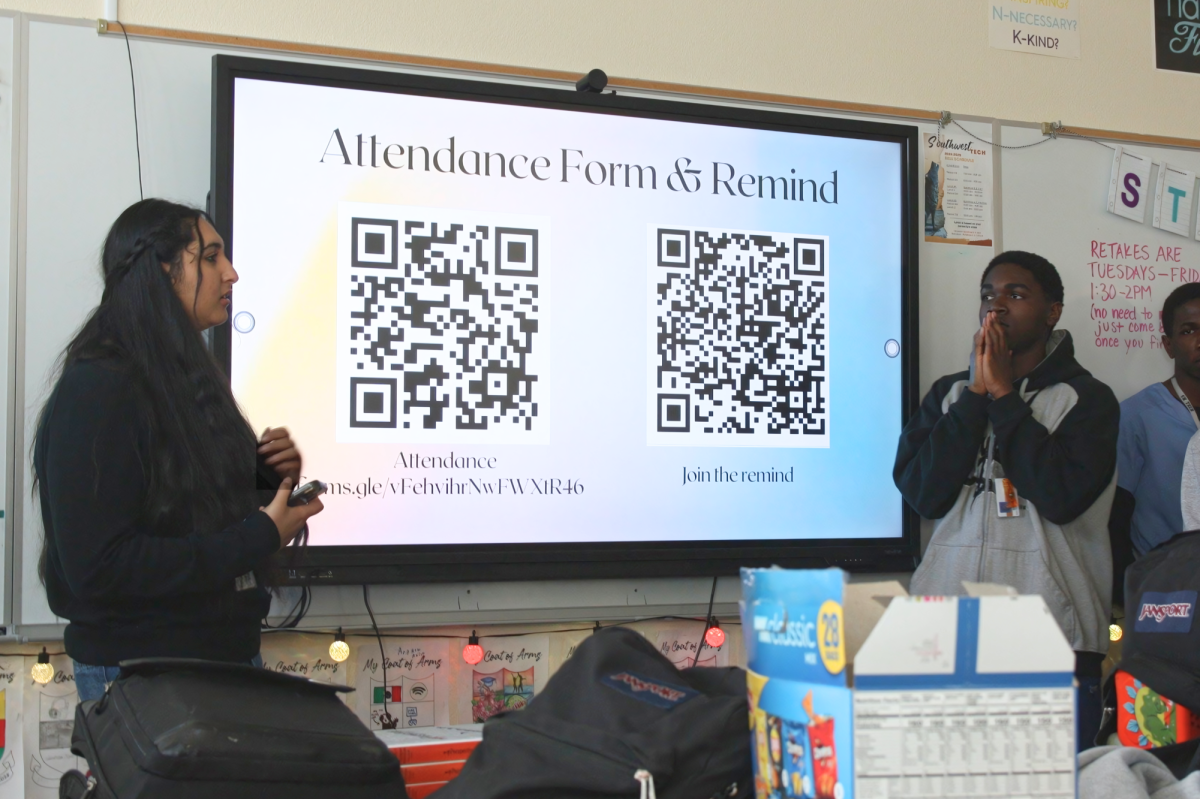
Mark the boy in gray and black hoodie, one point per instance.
(1016, 463)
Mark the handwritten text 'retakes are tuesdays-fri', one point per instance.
(1124, 274)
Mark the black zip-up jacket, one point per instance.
(1056, 440)
(130, 590)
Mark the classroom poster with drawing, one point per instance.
(13, 672)
(512, 671)
(415, 691)
(563, 646)
(304, 656)
(49, 719)
(957, 183)
(681, 641)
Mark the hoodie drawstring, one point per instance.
(647, 781)
(988, 473)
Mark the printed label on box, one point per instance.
(988, 742)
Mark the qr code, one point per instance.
(738, 338)
(440, 325)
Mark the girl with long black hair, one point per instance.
(146, 469)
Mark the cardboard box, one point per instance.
(432, 744)
(948, 696)
(417, 773)
(422, 789)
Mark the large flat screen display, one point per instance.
(532, 332)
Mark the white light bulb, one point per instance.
(42, 673)
(339, 651)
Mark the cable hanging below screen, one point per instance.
(137, 138)
(387, 721)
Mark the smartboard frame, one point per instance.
(434, 563)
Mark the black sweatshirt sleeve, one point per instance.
(937, 451)
(1064, 472)
(96, 485)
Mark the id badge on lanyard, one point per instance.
(1187, 403)
(1008, 504)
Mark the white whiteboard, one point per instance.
(1055, 196)
(81, 172)
(7, 276)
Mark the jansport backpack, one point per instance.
(1161, 645)
(193, 729)
(618, 720)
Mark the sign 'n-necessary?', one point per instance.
(1044, 27)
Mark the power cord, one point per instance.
(137, 139)
(296, 614)
(304, 603)
(387, 721)
(708, 620)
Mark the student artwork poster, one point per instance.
(563, 646)
(13, 674)
(529, 325)
(512, 671)
(414, 688)
(680, 642)
(49, 718)
(304, 656)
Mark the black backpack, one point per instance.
(617, 716)
(187, 729)
(1161, 644)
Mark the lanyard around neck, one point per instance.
(1187, 403)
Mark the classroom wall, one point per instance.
(72, 74)
(551, 36)
(931, 55)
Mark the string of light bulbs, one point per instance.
(43, 670)
(339, 649)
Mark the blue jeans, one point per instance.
(92, 681)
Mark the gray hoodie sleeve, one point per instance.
(1189, 489)
(1119, 772)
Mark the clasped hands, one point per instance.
(993, 360)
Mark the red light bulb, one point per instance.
(714, 636)
(473, 652)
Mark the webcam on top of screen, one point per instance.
(594, 82)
